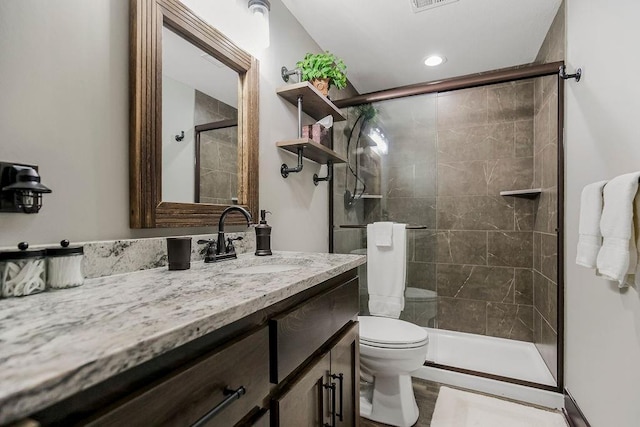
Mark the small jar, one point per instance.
(64, 265)
(22, 272)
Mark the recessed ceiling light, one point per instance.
(434, 60)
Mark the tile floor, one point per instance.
(426, 393)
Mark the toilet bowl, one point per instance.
(390, 349)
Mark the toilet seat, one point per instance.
(384, 332)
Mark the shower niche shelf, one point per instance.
(529, 193)
(310, 101)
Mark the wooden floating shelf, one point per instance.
(528, 193)
(314, 103)
(311, 150)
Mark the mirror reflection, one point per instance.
(199, 125)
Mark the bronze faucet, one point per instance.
(219, 250)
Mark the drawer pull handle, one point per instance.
(231, 396)
(332, 390)
(340, 377)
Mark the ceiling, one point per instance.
(384, 43)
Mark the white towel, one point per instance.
(383, 233)
(618, 256)
(386, 272)
(590, 238)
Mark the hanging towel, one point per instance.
(590, 238)
(618, 256)
(384, 233)
(386, 272)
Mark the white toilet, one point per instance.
(390, 349)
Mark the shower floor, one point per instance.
(508, 358)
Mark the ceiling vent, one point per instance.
(422, 5)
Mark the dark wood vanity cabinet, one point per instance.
(326, 393)
(295, 363)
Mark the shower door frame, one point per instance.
(467, 82)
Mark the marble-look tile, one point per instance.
(537, 170)
(461, 108)
(475, 213)
(476, 282)
(545, 298)
(56, 344)
(456, 314)
(508, 174)
(547, 214)
(462, 247)
(228, 157)
(510, 248)
(541, 128)
(549, 166)
(216, 184)
(523, 286)
(524, 138)
(510, 321)
(462, 179)
(411, 146)
(524, 213)
(425, 246)
(413, 211)
(510, 102)
(421, 275)
(537, 250)
(484, 142)
(425, 175)
(549, 256)
(400, 181)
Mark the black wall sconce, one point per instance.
(20, 188)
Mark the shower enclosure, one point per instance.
(471, 165)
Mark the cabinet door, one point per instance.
(345, 372)
(304, 403)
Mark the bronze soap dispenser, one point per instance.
(263, 235)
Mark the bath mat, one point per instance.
(457, 408)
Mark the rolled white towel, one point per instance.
(590, 237)
(618, 255)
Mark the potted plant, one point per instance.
(323, 70)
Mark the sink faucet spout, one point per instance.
(221, 247)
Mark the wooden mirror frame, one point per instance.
(145, 149)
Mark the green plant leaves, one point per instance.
(324, 66)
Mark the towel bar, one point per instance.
(409, 226)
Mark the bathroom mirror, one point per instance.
(194, 120)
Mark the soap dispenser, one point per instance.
(263, 235)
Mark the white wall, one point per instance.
(602, 141)
(178, 114)
(64, 106)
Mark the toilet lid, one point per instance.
(387, 332)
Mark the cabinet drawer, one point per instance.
(186, 396)
(297, 334)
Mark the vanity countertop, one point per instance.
(58, 343)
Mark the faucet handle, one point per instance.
(209, 250)
(230, 247)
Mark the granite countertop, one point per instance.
(58, 343)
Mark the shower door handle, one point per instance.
(340, 377)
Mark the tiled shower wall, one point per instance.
(218, 151)
(449, 157)
(484, 241)
(545, 236)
